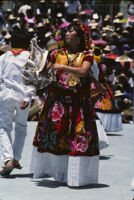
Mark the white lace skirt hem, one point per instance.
(111, 121)
(72, 170)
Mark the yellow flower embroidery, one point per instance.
(80, 127)
(106, 104)
(72, 80)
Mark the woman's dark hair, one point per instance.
(79, 28)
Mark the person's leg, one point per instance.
(20, 131)
(6, 120)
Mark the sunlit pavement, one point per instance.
(115, 174)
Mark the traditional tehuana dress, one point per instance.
(109, 116)
(66, 139)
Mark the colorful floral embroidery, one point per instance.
(80, 127)
(79, 144)
(106, 104)
(63, 79)
(66, 124)
(57, 111)
(72, 80)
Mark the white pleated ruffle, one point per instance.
(72, 170)
(132, 184)
(110, 121)
(103, 138)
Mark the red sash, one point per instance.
(16, 51)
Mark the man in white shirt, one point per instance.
(15, 99)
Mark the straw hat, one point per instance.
(82, 13)
(123, 58)
(117, 21)
(119, 15)
(31, 30)
(59, 15)
(93, 27)
(128, 101)
(93, 23)
(114, 34)
(18, 19)
(48, 34)
(8, 10)
(107, 48)
(52, 45)
(75, 20)
(39, 25)
(108, 28)
(125, 32)
(108, 17)
(42, 1)
(122, 76)
(118, 93)
(11, 17)
(7, 36)
(103, 35)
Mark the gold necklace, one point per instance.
(71, 58)
(72, 79)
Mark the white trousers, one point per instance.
(9, 112)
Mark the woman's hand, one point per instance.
(78, 71)
(57, 66)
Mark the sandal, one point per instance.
(16, 164)
(7, 169)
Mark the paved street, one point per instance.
(115, 173)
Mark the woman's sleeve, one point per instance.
(88, 56)
(53, 56)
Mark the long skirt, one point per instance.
(72, 170)
(111, 122)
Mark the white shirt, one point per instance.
(23, 9)
(11, 77)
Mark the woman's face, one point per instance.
(71, 37)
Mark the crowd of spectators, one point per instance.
(111, 39)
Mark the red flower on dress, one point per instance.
(57, 111)
(79, 144)
(63, 79)
(98, 105)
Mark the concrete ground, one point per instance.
(115, 174)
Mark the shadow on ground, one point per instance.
(55, 184)
(12, 176)
(114, 134)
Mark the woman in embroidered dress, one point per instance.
(66, 141)
(109, 116)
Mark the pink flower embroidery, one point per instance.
(98, 105)
(92, 86)
(57, 111)
(89, 133)
(79, 144)
(82, 116)
(63, 79)
(83, 145)
(103, 67)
